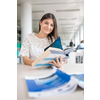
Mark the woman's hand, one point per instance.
(58, 63)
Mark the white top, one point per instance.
(80, 46)
(33, 46)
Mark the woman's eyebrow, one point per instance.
(48, 22)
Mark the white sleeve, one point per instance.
(25, 47)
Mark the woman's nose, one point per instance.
(49, 26)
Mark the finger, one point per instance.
(63, 61)
(60, 59)
(57, 60)
(51, 63)
(54, 62)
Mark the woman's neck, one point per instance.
(41, 35)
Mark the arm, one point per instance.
(27, 60)
(25, 50)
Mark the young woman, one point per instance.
(34, 44)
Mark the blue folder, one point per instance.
(61, 79)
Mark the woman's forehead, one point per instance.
(49, 20)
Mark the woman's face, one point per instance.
(47, 26)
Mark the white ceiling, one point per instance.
(69, 14)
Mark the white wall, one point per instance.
(66, 41)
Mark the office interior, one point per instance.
(70, 21)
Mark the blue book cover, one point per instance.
(54, 83)
(56, 44)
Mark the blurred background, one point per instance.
(69, 15)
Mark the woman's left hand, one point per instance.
(58, 63)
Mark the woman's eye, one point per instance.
(46, 23)
(52, 25)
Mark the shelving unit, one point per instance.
(18, 43)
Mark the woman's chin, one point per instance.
(47, 32)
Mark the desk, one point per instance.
(25, 70)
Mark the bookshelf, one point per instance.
(18, 43)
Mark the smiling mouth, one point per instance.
(47, 30)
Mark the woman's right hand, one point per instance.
(58, 63)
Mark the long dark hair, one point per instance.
(54, 32)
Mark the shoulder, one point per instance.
(81, 43)
(29, 36)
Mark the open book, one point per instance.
(50, 53)
(55, 83)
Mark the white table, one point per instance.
(25, 70)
